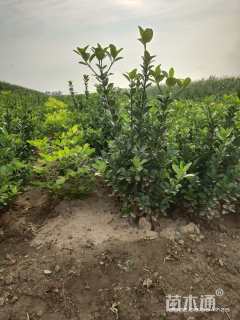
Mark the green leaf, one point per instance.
(60, 181)
(171, 73)
(170, 82)
(186, 82)
(83, 53)
(146, 35)
(175, 168)
(157, 74)
(158, 70)
(132, 74)
(92, 57)
(100, 167)
(115, 52)
(100, 52)
(138, 163)
(180, 83)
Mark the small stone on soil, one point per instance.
(147, 283)
(47, 272)
(2, 301)
(57, 268)
(221, 263)
(14, 299)
(190, 228)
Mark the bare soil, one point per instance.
(81, 260)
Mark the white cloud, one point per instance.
(130, 3)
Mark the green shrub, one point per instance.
(13, 171)
(64, 165)
(140, 167)
(162, 153)
(208, 136)
(212, 86)
(11, 177)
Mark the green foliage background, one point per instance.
(162, 144)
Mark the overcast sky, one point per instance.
(37, 38)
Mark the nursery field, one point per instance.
(112, 200)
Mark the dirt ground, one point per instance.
(81, 260)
